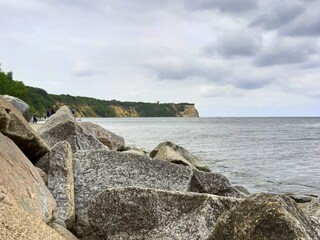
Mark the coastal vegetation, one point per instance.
(40, 101)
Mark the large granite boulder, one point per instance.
(97, 170)
(108, 138)
(265, 216)
(60, 182)
(313, 211)
(174, 153)
(21, 184)
(213, 183)
(63, 126)
(20, 105)
(137, 213)
(19, 130)
(17, 224)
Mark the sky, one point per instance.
(230, 58)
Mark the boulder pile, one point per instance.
(72, 180)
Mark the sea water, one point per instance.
(277, 155)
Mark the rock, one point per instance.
(108, 138)
(137, 213)
(20, 105)
(19, 130)
(4, 118)
(265, 216)
(182, 156)
(60, 181)
(21, 184)
(299, 198)
(134, 152)
(43, 175)
(97, 170)
(43, 163)
(243, 190)
(314, 208)
(59, 221)
(213, 183)
(313, 211)
(167, 153)
(17, 224)
(62, 126)
(67, 235)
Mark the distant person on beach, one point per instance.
(48, 113)
(35, 120)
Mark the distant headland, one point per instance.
(40, 101)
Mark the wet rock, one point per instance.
(137, 213)
(213, 183)
(21, 184)
(108, 138)
(18, 129)
(62, 126)
(97, 170)
(17, 224)
(265, 216)
(174, 153)
(60, 181)
(20, 105)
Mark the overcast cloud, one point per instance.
(231, 58)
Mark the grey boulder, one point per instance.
(213, 183)
(137, 213)
(14, 126)
(61, 183)
(97, 170)
(171, 152)
(265, 216)
(20, 105)
(63, 126)
(108, 138)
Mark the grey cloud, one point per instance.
(235, 44)
(87, 73)
(311, 64)
(285, 52)
(221, 76)
(177, 69)
(306, 25)
(223, 5)
(279, 15)
(249, 84)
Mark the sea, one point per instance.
(275, 155)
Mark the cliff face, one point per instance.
(125, 112)
(189, 111)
